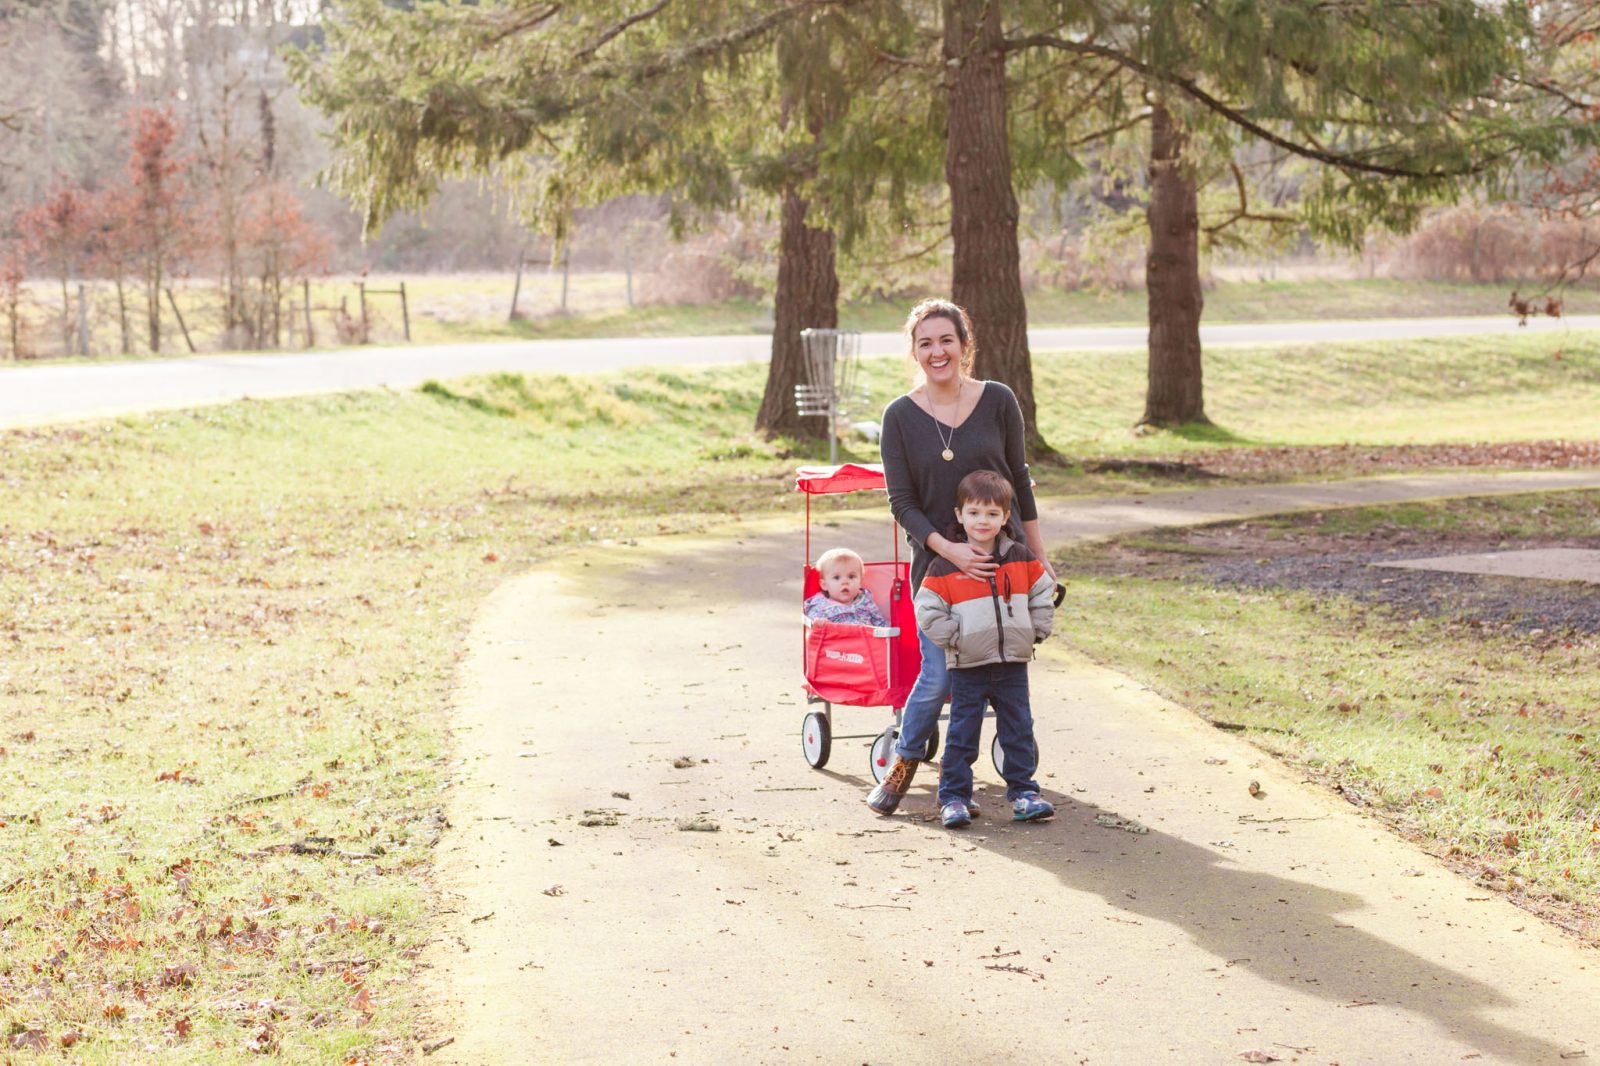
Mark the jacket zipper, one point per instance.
(999, 623)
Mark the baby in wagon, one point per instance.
(842, 598)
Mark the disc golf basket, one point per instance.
(832, 358)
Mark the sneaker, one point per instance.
(955, 815)
(1031, 807)
(886, 797)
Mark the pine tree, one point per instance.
(1400, 103)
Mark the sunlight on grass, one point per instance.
(228, 638)
(1478, 737)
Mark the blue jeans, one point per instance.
(1005, 687)
(920, 715)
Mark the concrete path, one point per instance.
(653, 683)
(36, 395)
(1541, 564)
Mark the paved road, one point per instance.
(636, 686)
(36, 395)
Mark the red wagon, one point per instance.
(854, 665)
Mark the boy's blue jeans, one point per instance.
(1005, 687)
(921, 712)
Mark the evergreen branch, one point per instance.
(523, 25)
(1549, 88)
(943, 235)
(1192, 89)
(732, 39)
(1109, 131)
(619, 28)
(1244, 213)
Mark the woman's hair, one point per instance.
(933, 307)
(833, 555)
(985, 486)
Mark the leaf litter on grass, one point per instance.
(1478, 738)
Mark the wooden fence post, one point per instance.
(405, 312)
(311, 338)
(366, 328)
(83, 321)
(516, 288)
(179, 316)
(566, 273)
(627, 264)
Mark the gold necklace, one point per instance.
(938, 426)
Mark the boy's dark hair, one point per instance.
(985, 486)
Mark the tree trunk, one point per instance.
(807, 298)
(1172, 282)
(987, 274)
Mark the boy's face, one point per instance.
(982, 520)
(841, 580)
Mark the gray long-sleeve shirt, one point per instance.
(922, 485)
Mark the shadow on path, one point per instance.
(1285, 931)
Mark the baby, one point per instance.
(842, 598)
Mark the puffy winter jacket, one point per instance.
(979, 622)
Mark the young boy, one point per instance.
(842, 599)
(988, 628)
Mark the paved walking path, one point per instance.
(650, 683)
(36, 395)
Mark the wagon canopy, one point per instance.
(846, 477)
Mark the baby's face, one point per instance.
(841, 580)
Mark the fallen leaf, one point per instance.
(180, 976)
(1259, 1056)
(1114, 821)
(698, 824)
(30, 1040)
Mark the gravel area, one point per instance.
(1525, 604)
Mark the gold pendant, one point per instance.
(948, 455)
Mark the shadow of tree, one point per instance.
(1284, 931)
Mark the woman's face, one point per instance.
(937, 348)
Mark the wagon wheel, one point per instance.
(882, 754)
(998, 754)
(816, 739)
(933, 744)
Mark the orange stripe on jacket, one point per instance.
(959, 588)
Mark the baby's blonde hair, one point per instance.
(833, 555)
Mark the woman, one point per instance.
(943, 429)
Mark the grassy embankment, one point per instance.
(1479, 740)
(449, 307)
(473, 307)
(227, 640)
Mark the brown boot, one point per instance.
(886, 797)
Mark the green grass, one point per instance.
(1551, 516)
(1266, 301)
(1495, 388)
(1481, 740)
(474, 307)
(228, 632)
